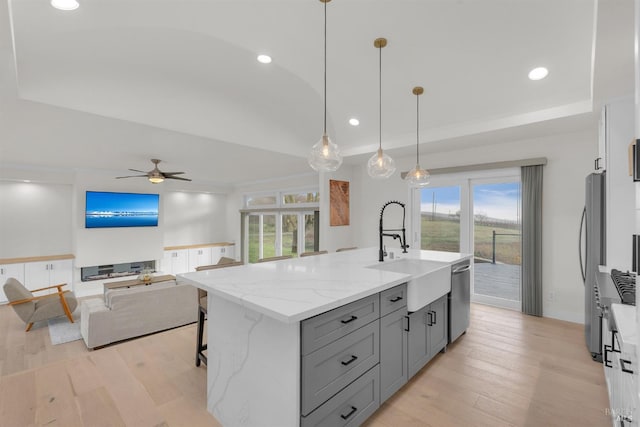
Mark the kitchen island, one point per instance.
(257, 313)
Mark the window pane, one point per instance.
(268, 200)
(254, 238)
(268, 236)
(309, 233)
(301, 197)
(440, 218)
(290, 235)
(497, 245)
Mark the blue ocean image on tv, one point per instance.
(104, 209)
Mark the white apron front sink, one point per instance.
(429, 279)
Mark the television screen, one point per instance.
(104, 209)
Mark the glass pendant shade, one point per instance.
(380, 165)
(325, 155)
(418, 177)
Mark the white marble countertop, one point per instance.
(625, 318)
(299, 288)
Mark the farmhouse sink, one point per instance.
(429, 279)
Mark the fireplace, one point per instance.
(109, 271)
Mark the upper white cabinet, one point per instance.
(48, 273)
(618, 117)
(10, 270)
(601, 160)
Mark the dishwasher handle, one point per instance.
(461, 269)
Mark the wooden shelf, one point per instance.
(204, 245)
(36, 259)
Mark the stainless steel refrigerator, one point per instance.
(593, 254)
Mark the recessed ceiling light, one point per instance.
(538, 73)
(65, 4)
(265, 59)
(354, 122)
(26, 181)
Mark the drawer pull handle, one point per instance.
(605, 358)
(624, 369)
(396, 299)
(350, 361)
(351, 412)
(349, 320)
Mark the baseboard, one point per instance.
(564, 315)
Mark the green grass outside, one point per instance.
(444, 235)
(438, 234)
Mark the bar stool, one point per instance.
(202, 307)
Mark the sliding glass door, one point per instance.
(497, 242)
(477, 213)
(440, 211)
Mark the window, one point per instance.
(280, 223)
(440, 218)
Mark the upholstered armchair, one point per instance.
(33, 309)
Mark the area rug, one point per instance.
(62, 331)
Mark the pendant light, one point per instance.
(380, 165)
(417, 176)
(325, 155)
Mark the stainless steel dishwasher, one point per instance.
(459, 299)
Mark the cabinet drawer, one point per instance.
(393, 299)
(328, 370)
(327, 327)
(351, 407)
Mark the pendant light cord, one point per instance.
(417, 129)
(325, 69)
(380, 100)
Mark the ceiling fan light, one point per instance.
(156, 179)
(418, 177)
(325, 155)
(380, 165)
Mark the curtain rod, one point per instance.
(487, 166)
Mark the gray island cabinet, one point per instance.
(316, 341)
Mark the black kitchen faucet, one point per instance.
(403, 238)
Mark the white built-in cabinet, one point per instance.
(48, 273)
(177, 261)
(37, 274)
(10, 270)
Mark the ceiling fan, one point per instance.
(155, 175)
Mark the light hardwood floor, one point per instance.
(508, 370)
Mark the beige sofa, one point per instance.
(131, 312)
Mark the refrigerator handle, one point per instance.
(582, 266)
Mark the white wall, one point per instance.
(193, 218)
(570, 158)
(35, 219)
(98, 246)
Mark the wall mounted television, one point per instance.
(106, 209)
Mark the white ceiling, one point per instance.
(190, 67)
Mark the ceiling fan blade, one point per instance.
(177, 177)
(171, 173)
(131, 176)
(136, 170)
